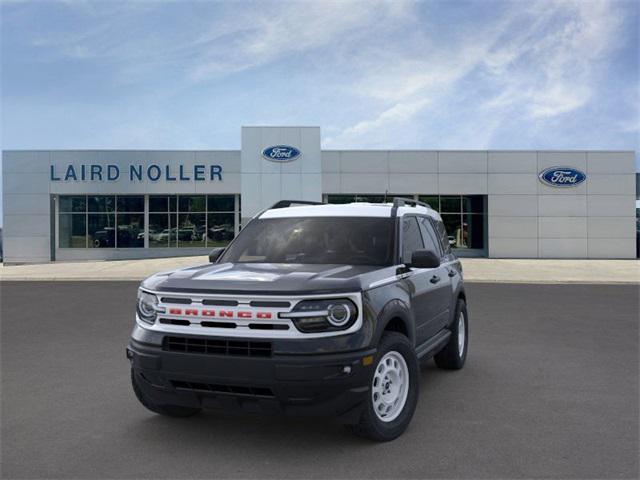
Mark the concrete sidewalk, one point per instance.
(475, 270)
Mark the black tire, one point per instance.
(450, 358)
(370, 425)
(167, 410)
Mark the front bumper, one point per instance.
(324, 384)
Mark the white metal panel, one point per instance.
(513, 205)
(513, 247)
(410, 161)
(312, 187)
(512, 183)
(461, 184)
(231, 183)
(271, 185)
(358, 161)
(251, 203)
(411, 183)
(512, 162)
(312, 157)
(603, 184)
(462, 162)
(612, 227)
(612, 205)
(331, 183)
(562, 205)
(330, 162)
(25, 249)
(27, 204)
(562, 227)
(364, 182)
(229, 160)
(611, 162)
(21, 183)
(29, 161)
(25, 225)
(562, 159)
(612, 248)
(291, 186)
(513, 227)
(562, 247)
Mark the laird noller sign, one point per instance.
(135, 173)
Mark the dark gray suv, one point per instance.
(313, 309)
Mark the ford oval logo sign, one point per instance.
(562, 177)
(281, 153)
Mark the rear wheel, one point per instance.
(167, 410)
(454, 354)
(393, 395)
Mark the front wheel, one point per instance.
(454, 354)
(393, 395)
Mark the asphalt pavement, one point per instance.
(550, 390)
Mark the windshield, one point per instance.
(330, 240)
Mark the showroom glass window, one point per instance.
(464, 216)
(118, 221)
(192, 220)
(72, 221)
(101, 221)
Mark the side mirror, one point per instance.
(215, 254)
(424, 259)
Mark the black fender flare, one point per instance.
(395, 309)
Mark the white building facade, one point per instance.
(111, 204)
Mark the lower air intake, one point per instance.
(209, 346)
(215, 388)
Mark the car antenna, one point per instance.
(385, 196)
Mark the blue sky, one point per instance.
(445, 75)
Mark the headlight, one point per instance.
(323, 315)
(147, 306)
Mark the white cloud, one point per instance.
(261, 37)
(539, 60)
(376, 73)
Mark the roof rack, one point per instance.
(402, 202)
(289, 203)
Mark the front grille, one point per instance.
(217, 347)
(180, 301)
(215, 388)
(269, 304)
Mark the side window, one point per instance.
(442, 233)
(411, 238)
(431, 240)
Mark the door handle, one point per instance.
(452, 273)
(435, 279)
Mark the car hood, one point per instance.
(267, 278)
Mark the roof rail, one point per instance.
(401, 202)
(289, 203)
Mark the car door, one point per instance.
(424, 284)
(443, 290)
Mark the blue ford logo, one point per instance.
(562, 176)
(281, 153)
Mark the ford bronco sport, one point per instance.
(312, 309)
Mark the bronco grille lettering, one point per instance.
(209, 313)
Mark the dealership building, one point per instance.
(69, 205)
